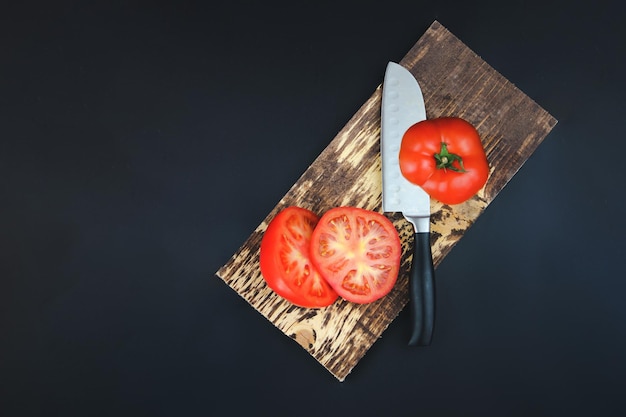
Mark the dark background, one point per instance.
(142, 142)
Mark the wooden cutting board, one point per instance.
(455, 82)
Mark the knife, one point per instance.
(403, 106)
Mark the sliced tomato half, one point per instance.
(285, 259)
(358, 253)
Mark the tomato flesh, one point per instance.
(285, 259)
(357, 252)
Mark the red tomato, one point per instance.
(285, 263)
(445, 157)
(358, 252)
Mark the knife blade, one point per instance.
(402, 106)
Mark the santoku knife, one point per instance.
(403, 106)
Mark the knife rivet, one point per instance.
(394, 108)
(394, 121)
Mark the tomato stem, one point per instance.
(445, 160)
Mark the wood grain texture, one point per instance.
(454, 82)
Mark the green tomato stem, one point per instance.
(445, 159)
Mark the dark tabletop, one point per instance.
(142, 143)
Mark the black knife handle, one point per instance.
(422, 291)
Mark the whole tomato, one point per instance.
(445, 157)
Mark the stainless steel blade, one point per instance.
(402, 106)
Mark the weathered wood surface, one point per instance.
(454, 82)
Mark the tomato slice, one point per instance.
(358, 253)
(285, 262)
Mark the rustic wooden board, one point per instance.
(455, 82)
